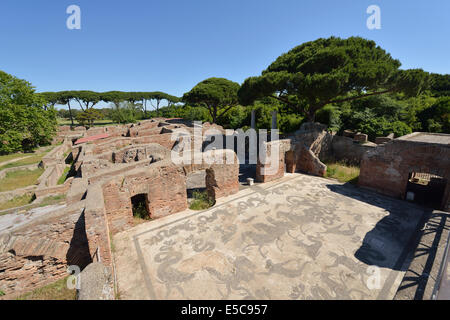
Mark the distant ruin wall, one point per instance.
(347, 150)
(56, 155)
(53, 190)
(386, 168)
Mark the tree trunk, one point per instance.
(311, 116)
(70, 112)
(215, 115)
(144, 102)
(117, 105)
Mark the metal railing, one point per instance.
(443, 278)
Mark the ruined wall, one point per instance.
(163, 183)
(44, 192)
(118, 143)
(346, 149)
(117, 131)
(97, 229)
(51, 175)
(8, 195)
(266, 170)
(91, 166)
(118, 206)
(108, 144)
(386, 168)
(143, 125)
(113, 131)
(38, 253)
(56, 155)
(164, 140)
(77, 190)
(153, 152)
(301, 151)
(140, 132)
(222, 177)
(305, 160)
(313, 136)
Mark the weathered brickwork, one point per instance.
(387, 167)
(36, 254)
(266, 170)
(134, 164)
(300, 152)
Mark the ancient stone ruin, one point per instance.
(391, 168)
(115, 167)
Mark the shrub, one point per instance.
(201, 201)
(380, 127)
(193, 114)
(331, 116)
(87, 117)
(290, 122)
(140, 211)
(437, 117)
(235, 118)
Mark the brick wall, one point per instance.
(39, 253)
(346, 149)
(387, 168)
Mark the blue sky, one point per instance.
(170, 45)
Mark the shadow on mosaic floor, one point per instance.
(393, 240)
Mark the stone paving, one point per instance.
(14, 220)
(300, 237)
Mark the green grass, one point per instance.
(27, 200)
(51, 200)
(201, 201)
(17, 202)
(1, 293)
(29, 160)
(20, 179)
(32, 158)
(139, 220)
(140, 211)
(97, 123)
(12, 156)
(55, 291)
(342, 172)
(63, 177)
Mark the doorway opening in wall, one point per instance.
(140, 208)
(426, 189)
(197, 195)
(195, 182)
